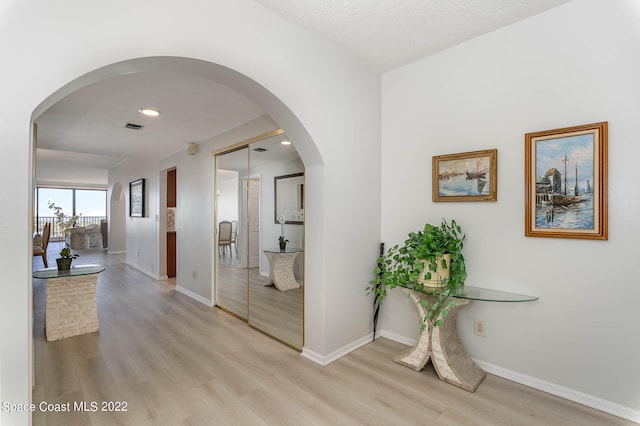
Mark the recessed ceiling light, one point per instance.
(285, 143)
(149, 111)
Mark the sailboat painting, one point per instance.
(566, 182)
(468, 176)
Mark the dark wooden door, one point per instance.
(171, 254)
(171, 236)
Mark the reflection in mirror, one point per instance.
(276, 288)
(289, 196)
(232, 247)
(260, 282)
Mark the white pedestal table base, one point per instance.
(281, 270)
(443, 347)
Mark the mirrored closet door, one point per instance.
(268, 201)
(232, 171)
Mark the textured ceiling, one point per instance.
(386, 34)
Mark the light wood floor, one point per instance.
(175, 361)
(277, 313)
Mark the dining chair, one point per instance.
(41, 250)
(234, 234)
(224, 237)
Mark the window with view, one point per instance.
(89, 204)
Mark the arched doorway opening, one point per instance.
(279, 113)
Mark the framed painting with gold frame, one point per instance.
(566, 182)
(468, 176)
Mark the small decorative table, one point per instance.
(70, 300)
(281, 268)
(442, 343)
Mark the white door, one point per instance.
(253, 204)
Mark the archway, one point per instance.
(276, 109)
(207, 70)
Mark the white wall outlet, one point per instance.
(479, 328)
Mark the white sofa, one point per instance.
(84, 237)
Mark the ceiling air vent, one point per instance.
(259, 149)
(133, 126)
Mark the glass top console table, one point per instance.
(489, 295)
(70, 301)
(442, 344)
(73, 272)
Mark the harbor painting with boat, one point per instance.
(564, 182)
(467, 176)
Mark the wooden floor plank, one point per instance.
(175, 361)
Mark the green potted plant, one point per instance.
(65, 259)
(429, 261)
(282, 242)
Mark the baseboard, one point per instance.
(144, 271)
(179, 289)
(337, 354)
(116, 252)
(548, 387)
(396, 337)
(313, 356)
(563, 392)
(194, 296)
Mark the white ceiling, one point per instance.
(92, 120)
(381, 34)
(386, 34)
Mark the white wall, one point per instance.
(576, 64)
(58, 173)
(142, 234)
(325, 100)
(117, 213)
